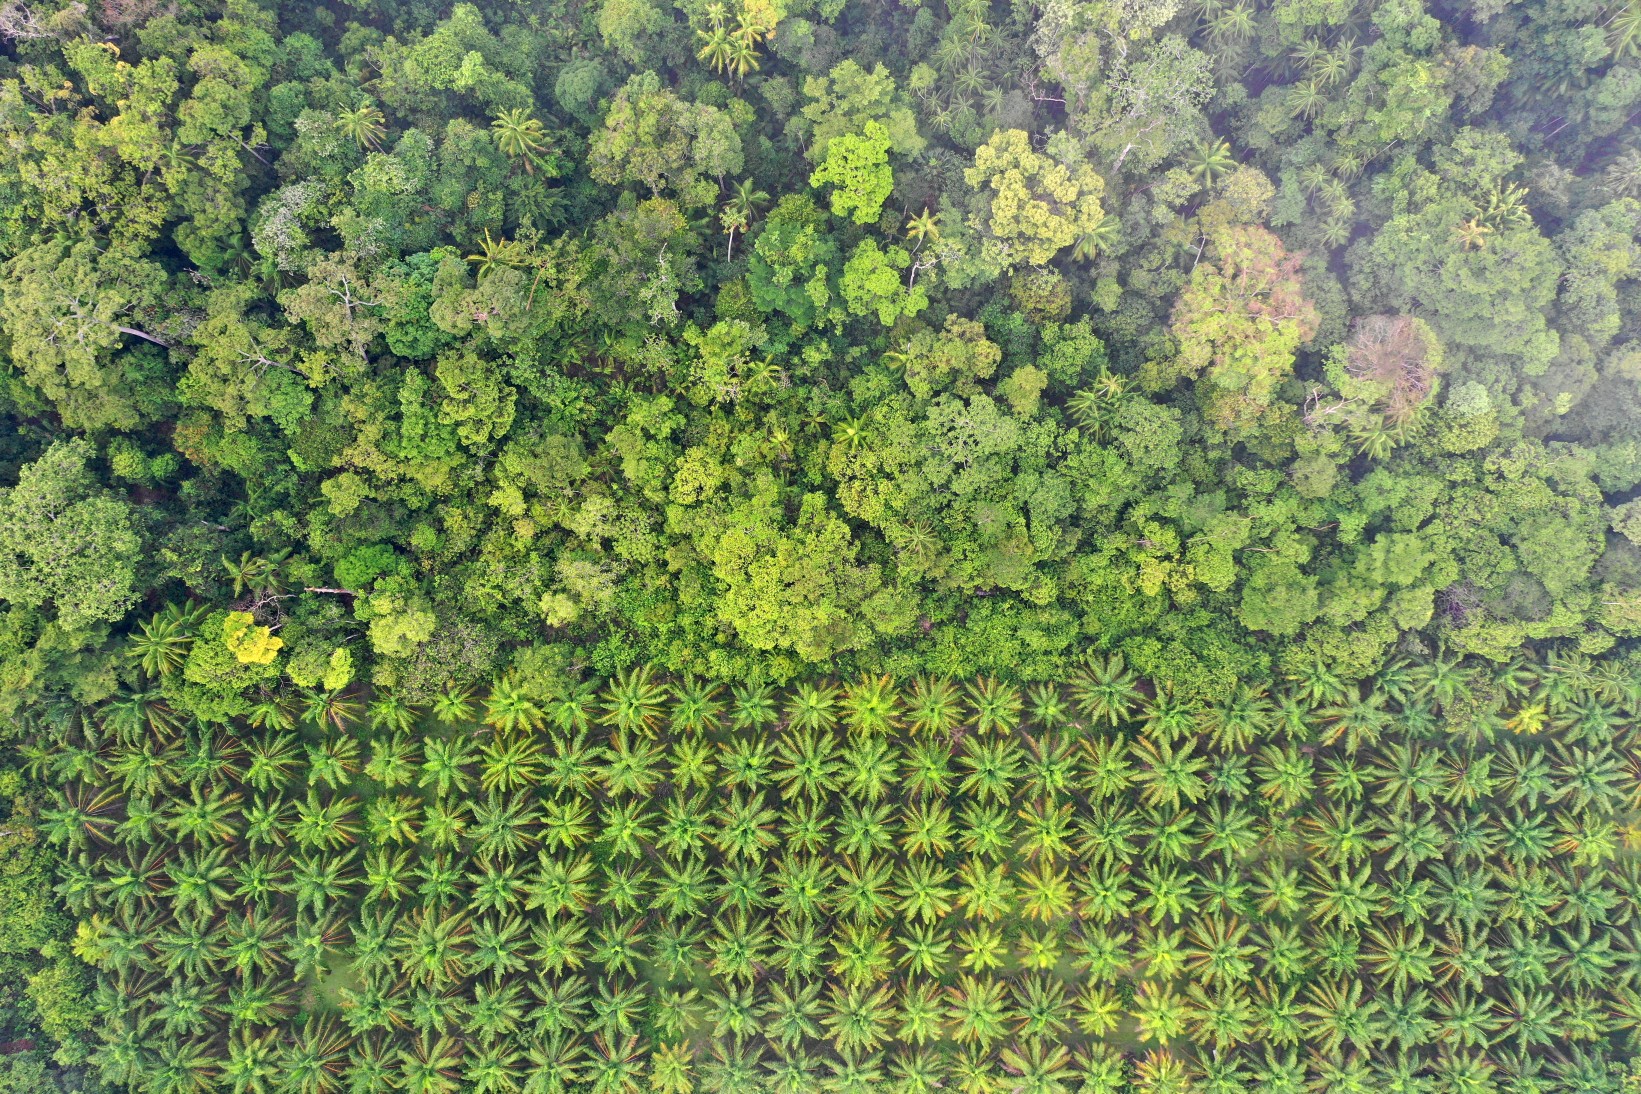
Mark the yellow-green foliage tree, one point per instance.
(1032, 206)
(1238, 323)
(857, 168)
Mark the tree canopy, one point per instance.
(438, 433)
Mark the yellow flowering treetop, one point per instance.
(1037, 206)
(251, 644)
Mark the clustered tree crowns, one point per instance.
(1399, 356)
(302, 310)
(66, 544)
(1240, 320)
(1032, 206)
(653, 137)
(857, 166)
(70, 313)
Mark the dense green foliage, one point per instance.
(756, 340)
(363, 355)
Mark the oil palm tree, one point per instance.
(253, 1060)
(752, 705)
(996, 704)
(133, 716)
(334, 708)
(1357, 720)
(325, 824)
(454, 705)
(509, 764)
(1243, 717)
(634, 701)
(1105, 689)
(144, 770)
(977, 1011)
(695, 705)
(934, 706)
(993, 766)
(319, 880)
(1169, 775)
(509, 709)
(631, 766)
(205, 817)
(81, 815)
(813, 706)
(671, 1069)
(394, 760)
(1314, 682)
(333, 762)
(430, 1065)
(388, 711)
(809, 762)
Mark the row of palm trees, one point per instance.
(1106, 801)
(1015, 1039)
(1567, 693)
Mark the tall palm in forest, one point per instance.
(495, 254)
(1211, 161)
(715, 41)
(923, 228)
(161, 645)
(1088, 245)
(256, 574)
(363, 125)
(521, 137)
(742, 206)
